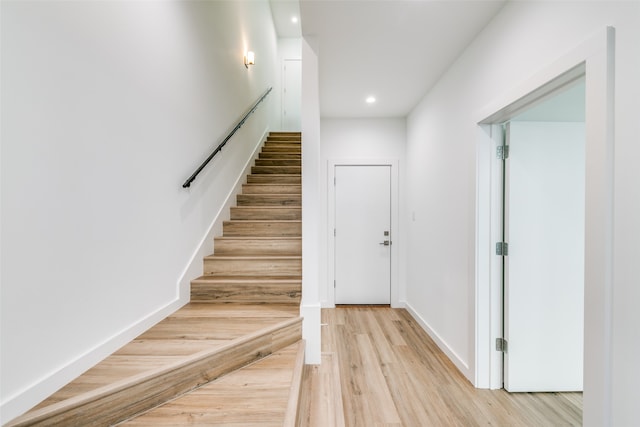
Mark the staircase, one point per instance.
(234, 354)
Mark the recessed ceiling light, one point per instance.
(294, 19)
(370, 99)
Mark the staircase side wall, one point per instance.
(107, 107)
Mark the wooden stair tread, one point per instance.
(141, 354)
(111, 403)
(274, 208)
(263, 221)
(261, 394)
(240, 279)
(250, 257)
(276, 238)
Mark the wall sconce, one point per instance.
(249, 59)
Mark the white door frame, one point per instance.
(331, 215)
(595, 59)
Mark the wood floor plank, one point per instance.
(392, 373)
(321, 399)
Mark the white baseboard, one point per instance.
(24, 400)
(457, 360)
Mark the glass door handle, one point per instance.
(385, 243)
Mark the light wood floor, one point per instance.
(256, 395)
(393, 374)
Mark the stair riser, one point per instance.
(266, 213)
(274, 179)
(269, 200)
(272, 189)
(261, 229)
(270, 170)
(292, 246)
(289, 144)
(291, 138)
(253, 267)
(276, 155)
(282, 148)
(250, 293)
(278, 162)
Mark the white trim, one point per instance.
(395, 215)
(488, 290)
(451, 354)
(596, 55)
(311, 317)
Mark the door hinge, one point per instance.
(502, 153)
(334, 181)
(501, 345)
(334, 284)
(502, 248)
(334, 232)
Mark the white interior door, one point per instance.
(292, 95)
(362, 217)
(544, 270)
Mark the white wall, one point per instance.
(107, 108)
(523, 38)
(361, 139)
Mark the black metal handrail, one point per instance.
(193, 176)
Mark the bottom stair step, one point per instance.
(125, 397)
(265, 393)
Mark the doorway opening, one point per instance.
(543, 176)
(291, 94)
(362, 237)
(593, 61)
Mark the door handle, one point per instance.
(385, 243)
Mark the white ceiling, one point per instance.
(282, 12)
(394, 50)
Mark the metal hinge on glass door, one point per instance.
(502, 248)
(502, 152)
(501, 345)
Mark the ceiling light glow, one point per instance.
(294, 19)
(370, 100)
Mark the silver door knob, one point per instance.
(385, 243)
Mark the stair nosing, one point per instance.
(264, 220)
(240, 279)
(258, 237)
(250, 257)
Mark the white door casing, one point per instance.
(363, 235)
